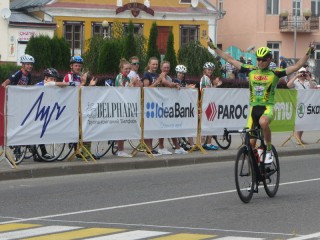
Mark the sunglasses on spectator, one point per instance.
(262, 59)
(302, 72)
(135, 63)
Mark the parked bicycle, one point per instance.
(250, 170)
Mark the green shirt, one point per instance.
(262, 84)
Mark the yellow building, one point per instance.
(78, 20)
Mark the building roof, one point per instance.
(20, 18)
(22, 4)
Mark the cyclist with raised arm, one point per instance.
(262, 84)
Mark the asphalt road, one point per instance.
(197, 199)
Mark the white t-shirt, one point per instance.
(133, 74)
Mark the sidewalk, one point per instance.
(30, 169)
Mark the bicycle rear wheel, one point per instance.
(17, 153)
(68, 148)
(244, 175)
(101, 148)
(223, 141)
(54, 151)
(136, 144)
(114, 148)
(272, 175)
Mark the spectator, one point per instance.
(122, 80)
(133, 74)
(283, 63)
(301, 81)
(23, 76)
(272, 64)
(241, 75)
(205, 82)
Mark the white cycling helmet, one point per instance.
(26, 59)
(209, 65)
(181, 69)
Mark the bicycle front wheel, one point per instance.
(272, 175)
(244, 175)
(17, 153)
(223, 141)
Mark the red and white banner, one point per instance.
(38, 114)
(308, 110)
(2, 118)
(170, 112)
(224, 108)
(110, 113)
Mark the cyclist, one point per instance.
(23, 76)
(76, 63)
(51, 77)
(205, 82)
(262, 85)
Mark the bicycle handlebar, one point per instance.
(242, 130)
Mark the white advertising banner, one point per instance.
(308, 110)
(170, 112)
(38, 114)
(224, 108)
(110, 113)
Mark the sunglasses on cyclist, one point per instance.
(135, 63)
(262, 59)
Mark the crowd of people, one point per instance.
(261, 99)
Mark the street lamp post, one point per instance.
(105, 26)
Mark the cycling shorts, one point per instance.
(256, 112)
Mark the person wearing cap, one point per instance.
(262, 86)
(23, 76)
(283, 63)
(301, 81)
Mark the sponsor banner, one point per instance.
(110, 113)
(2, 118)
(39, 114)
(170, 112)
(308, 110)
(224, 108)
(284, 110)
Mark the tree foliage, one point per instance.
(170, 54)
(193, 55)
(153, 50)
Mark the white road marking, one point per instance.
(310, 236)
(238, 238)
(35, 232)
(146, 203)
(132, 235)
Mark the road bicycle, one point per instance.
(250, 170)
(21, 152)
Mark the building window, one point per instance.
(220, 5)
(97, 29)
(317, 52)
(273, 7)
(185, 1)
(275, 49)
(137, 28)
(315, 7)
(296, 7)
(73, 33)
(188, 34)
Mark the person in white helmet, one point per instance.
(23, 76)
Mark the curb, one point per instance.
(73, 167)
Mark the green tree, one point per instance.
(92, 55)
(193, 55)
(60, 53)
(170, 54)
(130, 48)
(153, 50)
(40, 48)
